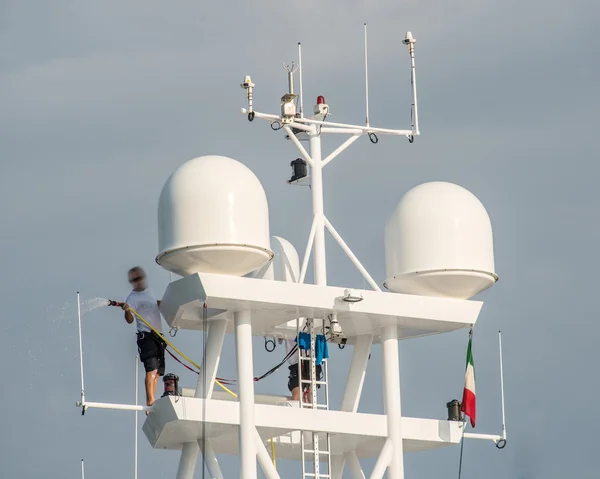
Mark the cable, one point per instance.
(462, 444)
(155, 331)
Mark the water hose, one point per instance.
(155, 331)
(171, 345)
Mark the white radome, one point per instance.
(213, 217)
(285, 265)
(438, 242)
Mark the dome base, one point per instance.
(446, 283)
(229, 259)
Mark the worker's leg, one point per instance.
(151, 386)
(293, 384)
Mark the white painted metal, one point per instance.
(366, 80)
(188, 460)
(213, 217)
(212, 357)
(316, 186)
(300, 95)
(383, 460)
(285, 265)
(354, 464)
(211, 462)
(82, 470)
(80, 348)
(502, 385)
(119, 407)
(176, 420)
(351, 255)
(309, 245)
(245, 375)
(413, 81)
(357, 372)
(341, 148)
(135, 441)
(274, 303)
(264, 460)
(391, 395)
(438, 242)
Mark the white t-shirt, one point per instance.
(289, 345)
(145, 305)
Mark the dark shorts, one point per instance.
(293, 378)
(152, 352)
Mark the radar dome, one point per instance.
(438, 242)
(285, 265)
(213, 217)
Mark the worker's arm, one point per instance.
(128, 315)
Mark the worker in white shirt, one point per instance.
(151, 346)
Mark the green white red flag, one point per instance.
(469, 402)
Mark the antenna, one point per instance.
(410, 41)
(80, 359)
(135, 441)
(82, 468)
(502, 386)
(300, 76)
(366, 78)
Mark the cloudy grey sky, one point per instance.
(101, 101)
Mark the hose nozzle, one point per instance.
(115, 303)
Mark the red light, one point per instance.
(320, 100)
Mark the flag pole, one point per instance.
(502, 386)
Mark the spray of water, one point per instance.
(94, 303)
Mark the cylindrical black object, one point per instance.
(299, 168)
(454, 410)
(171, 382)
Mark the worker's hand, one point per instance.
(125, 307)
(280, 340)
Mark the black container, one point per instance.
(171, 382)
(299, 168)
(454, 410)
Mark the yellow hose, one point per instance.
(177, 350)
(197, 366)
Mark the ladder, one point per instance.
(317, 450)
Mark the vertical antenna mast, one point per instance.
(300, 80)
(135, 441)
(366, 78)
(82, 470)
(80, 358)
(502, 385)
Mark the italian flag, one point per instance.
(468, 402)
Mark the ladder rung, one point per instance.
(312, 451)
(308, 381)
(312, 474)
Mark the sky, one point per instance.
(101, 101)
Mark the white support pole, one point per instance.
(502, 386)
(82, 470)
(309, 158)
(391, 389)
(264, 459)
(212, 356)
(319, 257)
(120, 407)
(135, 440)
(413, 82)
(204, 388)
(354, 464)
(356, 374)
(187, 462)
(354, 385)
(212, 464)
(341, 148)
(80, 349)
(300, 96)
(309, 246)
(245, 381)
(366, 79)
(383, 461)
(351, 255)
(337, 466)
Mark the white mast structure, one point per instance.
(214, 233)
